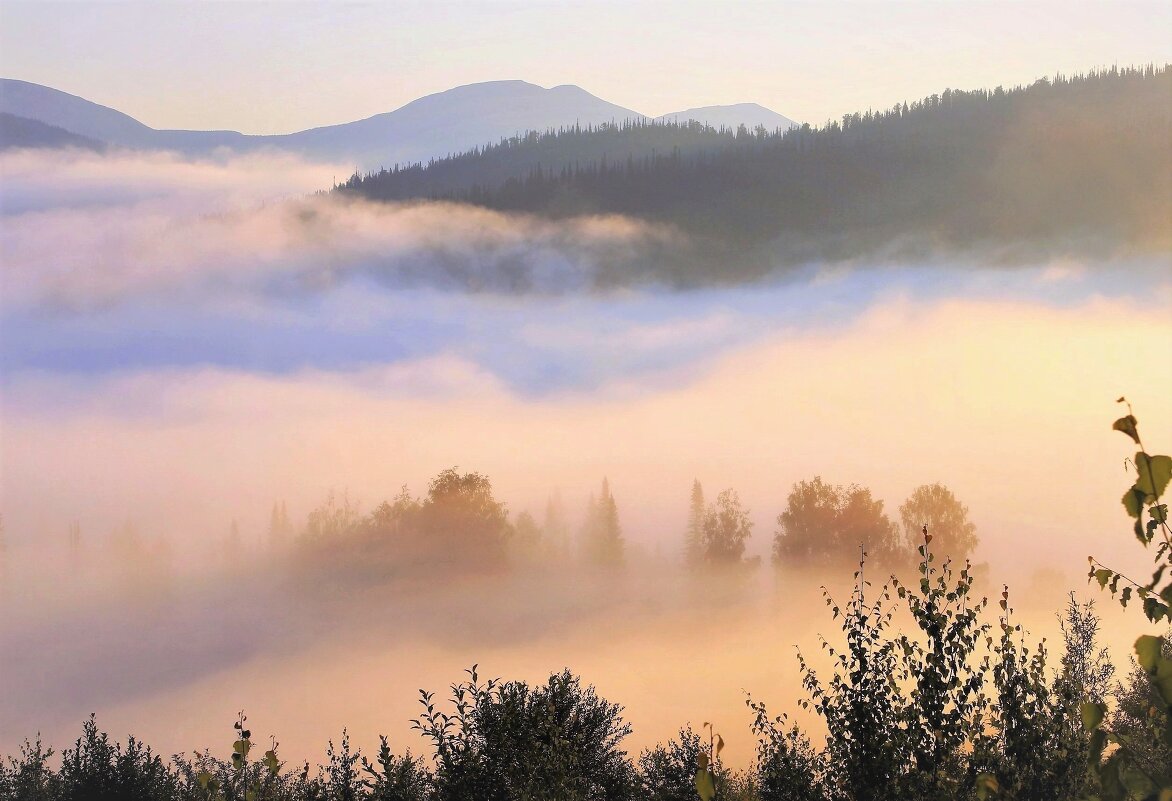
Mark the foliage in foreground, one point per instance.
(923, 715)
(1130, 753)
(956, 707)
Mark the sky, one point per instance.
(277, 67)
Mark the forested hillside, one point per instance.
(1076, 164)
(18, 132)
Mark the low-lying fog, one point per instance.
(185, 344)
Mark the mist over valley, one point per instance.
(561, 389)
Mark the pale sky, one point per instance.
(277, 67)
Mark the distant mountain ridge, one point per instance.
(433, 126)
(751, 115)
(71, 113)
(25, 133)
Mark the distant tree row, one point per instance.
(827, 526)
(459, 523)
(823, 526)
(568, 150)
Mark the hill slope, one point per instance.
(71, 113)
(1074, 166)
(19, 132)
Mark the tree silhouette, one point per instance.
(603, 537)
(934, 506)
(726, 528)
(823, 525)
(694, 533)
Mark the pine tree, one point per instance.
(280, 528)
(587, 535)
(603, 536)
(275, 529)
(693, 554)
(553, 529)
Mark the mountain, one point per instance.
(434, 126)
(748, 114)
(457, 120)
(93, 121)
(21, 132)
(71, 113)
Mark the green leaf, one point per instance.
(705, 787)
(1102, 575)
(1133, 501)
(1148, 652)
(1128, 426)
(1154, 473)
(1155, 610)
(1092, 715)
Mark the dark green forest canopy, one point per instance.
(1066, 166)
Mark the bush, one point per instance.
(96, 770)
(513, 742)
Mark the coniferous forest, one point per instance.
(1069, 165)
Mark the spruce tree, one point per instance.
(694, 533)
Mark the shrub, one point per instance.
(512, 742)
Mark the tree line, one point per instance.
(460, 524)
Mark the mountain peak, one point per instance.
(748, 114)
(435, 125)
(69, 112)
